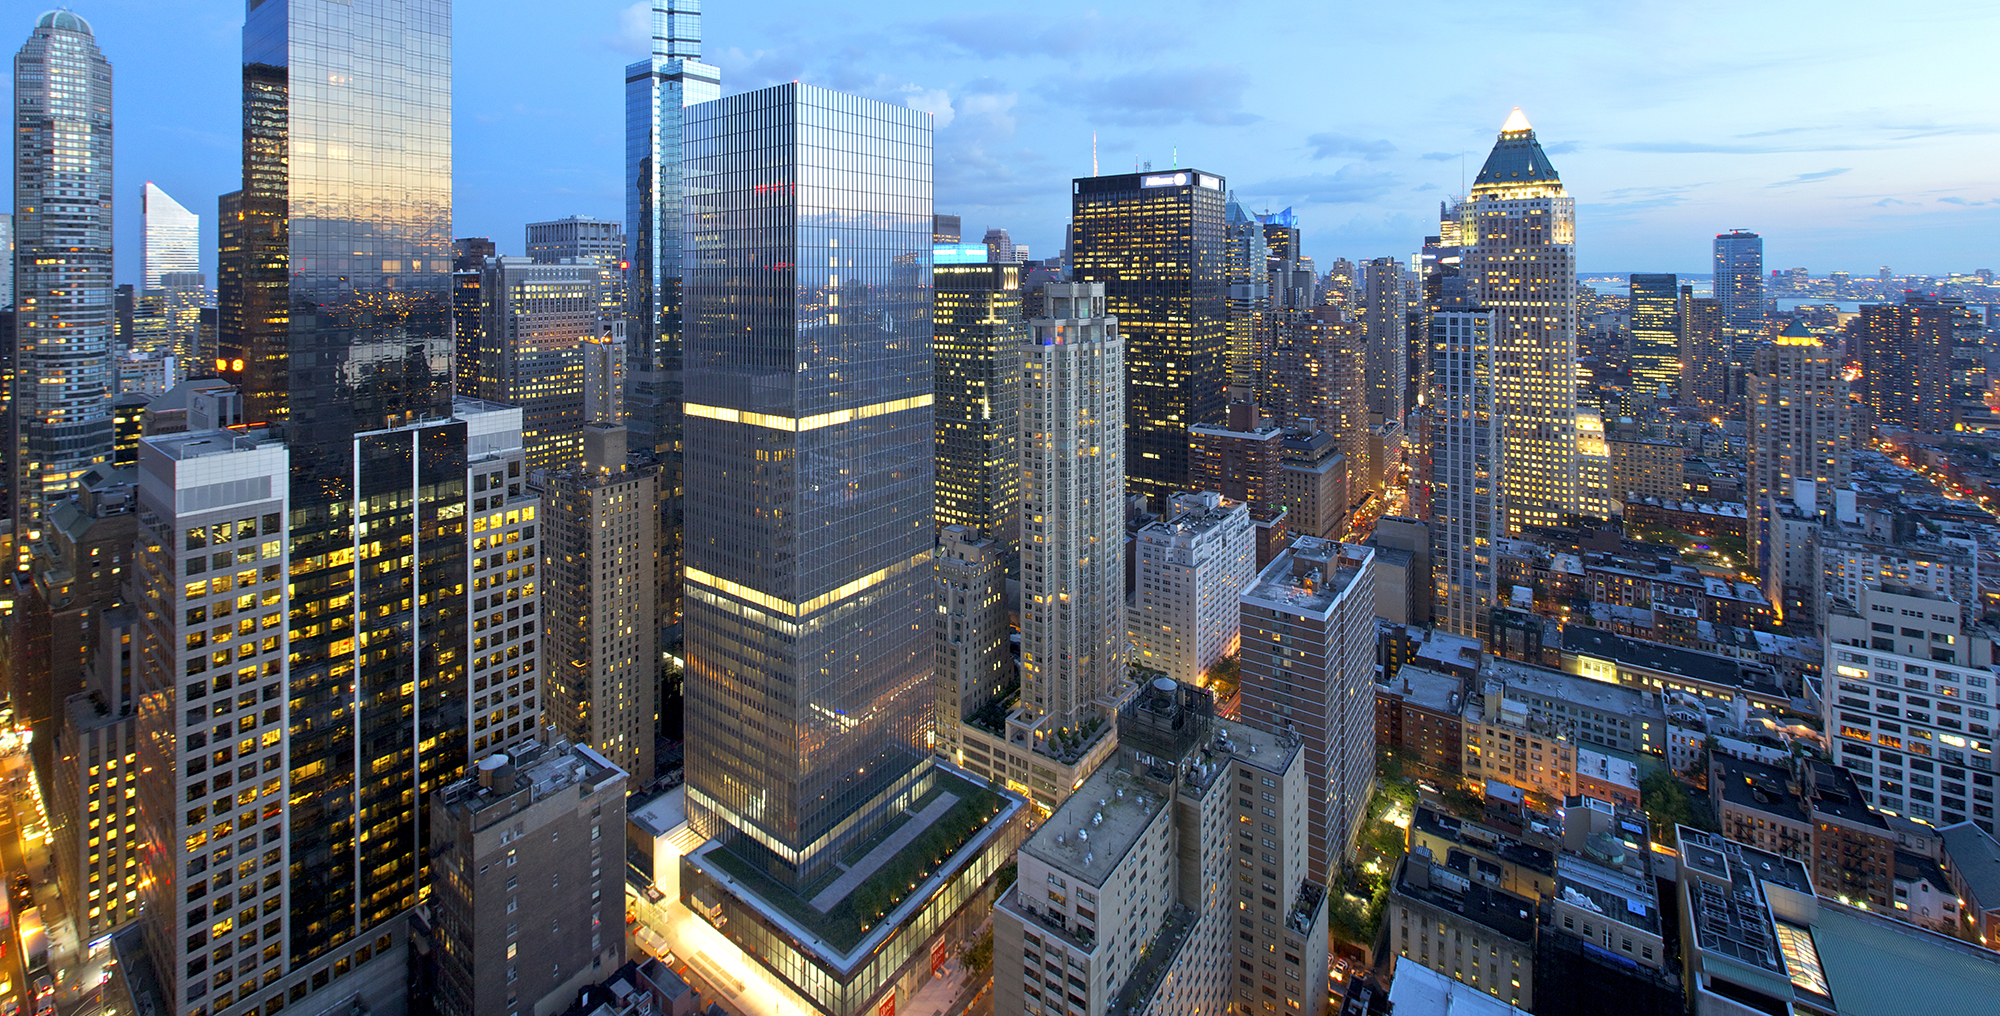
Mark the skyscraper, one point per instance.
(584, 239)
(1739, 282)
(809, 434)
(1798, 418)
(1656, 333)
(811, 596)
(978, 331)
(1317, 380)
(657, 90)
(1704, 353)
(1382, 323)
(7, 250)
(335, 298)
(1073, 519)
(1245, 263)
(1519, 231)
(1155, 242)
(537, 323)
(1905, 352)
(173, 236)
(1465, 467)
(63, 317)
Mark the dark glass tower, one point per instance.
(1739, 282)
(809, 435)
(657, 90)
(979, 330)
(1656, 333)
(336, 300)
(1156, 241)
(61, 263)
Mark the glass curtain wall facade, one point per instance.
(978, 334)
(1156, 243)
(1519, 230)
(1465, 481)
(808, 574)
(64, 321)
(335, 321)
(657, 90)
(1249, 277)
(1656, 333)
(1739, 282)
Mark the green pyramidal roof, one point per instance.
(1517, 157)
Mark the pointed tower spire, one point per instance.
(1517, 158)
(1516, 121)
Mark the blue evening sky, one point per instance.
(1852, 135)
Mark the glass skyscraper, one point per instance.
(809, 434)
(1656, 335)
(657, 91)
(64, 321)
(1156, 241)
(1739, 282)
(173, 236)
(335, 322)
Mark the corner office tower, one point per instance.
(809, 434)
(1519, 231)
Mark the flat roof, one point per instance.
(1571, 689)
(1657, 657)
(1420, 991)
(1430, 689)
(1496, 909)
(1330, 565)
(1111, 811)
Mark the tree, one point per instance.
(1667, 804)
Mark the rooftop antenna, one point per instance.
(1177, 156)
(1093, 153)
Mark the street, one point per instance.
(77, 975)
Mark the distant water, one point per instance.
(1786, 303)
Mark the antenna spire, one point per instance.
(1093, 153)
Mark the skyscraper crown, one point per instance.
(1517, 158)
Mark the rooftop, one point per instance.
(1097, 826)
(1664, 659)
(1420, 991)
(541, 770)
(1422, 686)
(1731, 914)
(1485, 839)
(1624, 898)
(1877, 966)
(1309, 577)
(1498, 910)
(1523, 681)
(1975, 855)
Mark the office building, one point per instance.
(1308, 665)
(1244, 460)
(1465, 469)
(1245, 255)
(978, 330)
(1478, 935)
(527, 865)
(1739, 283)
(1704, 354)
(468, 269)
(657, 92)
(945, 229)
(1191, 566)
(1126, 900)
(1908, 703)
(1594, 494)
(1643, 469)
(1073, 517)
(172, 237)
(7, 276)
(1316, 379)
(71, 572)
(538, 324)
(1905, 352)
(975, 668)
(581, 239)
(100, 859)
(1520, 265)
(1403, 586)
(599, 626)
(1313, 482)
(63, 317)
(1655, 350)
(1754, 936)
(1155, 242)
(1798, 428)
(213, 715)
(812, 449)
(1382, 323)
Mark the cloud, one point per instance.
(1440, 156)
(635, 30)
(1962, 201)
(1000, 35)
(1326, 145)
(1712, 148)
(996, 109)
(1626, 200)
(1824, 174)
(1886, 202)
(1347, 185)
(1160, 97)
(1563, 147)
(935, 101)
